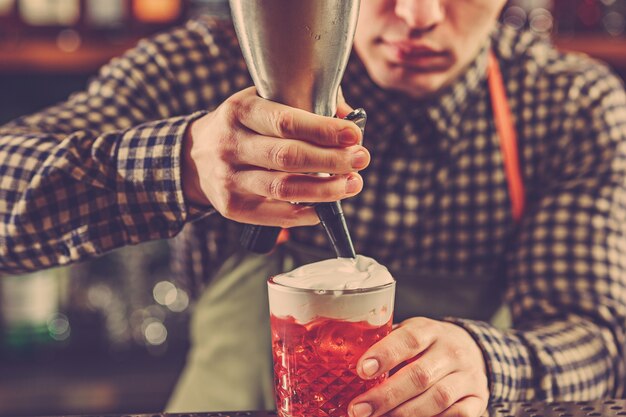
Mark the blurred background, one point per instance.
(110, 335)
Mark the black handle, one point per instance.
(262, 239)
(259, 239)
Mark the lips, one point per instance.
(416, 55)
(415, 49)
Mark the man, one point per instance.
(169, 133)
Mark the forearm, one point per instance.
(70, 197)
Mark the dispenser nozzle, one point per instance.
(331, 214)
(334, 223)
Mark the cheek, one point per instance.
(371, 15)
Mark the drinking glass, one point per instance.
(317, 338)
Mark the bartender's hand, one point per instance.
(446, 378)
(251, 157)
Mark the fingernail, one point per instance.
(348, 137)
(359, 159)
(370, 367)
(362, 410)
(352, 185)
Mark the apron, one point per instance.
(229, 366)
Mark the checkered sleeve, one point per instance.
(566, 268)
(96, 172)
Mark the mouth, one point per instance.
(416, 56)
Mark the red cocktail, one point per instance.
(315, 364)
(315, 356)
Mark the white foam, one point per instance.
(327, 280)
(337, 274)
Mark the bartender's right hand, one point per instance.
(250, 158)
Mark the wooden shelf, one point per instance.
(43, 56)
(610, 50)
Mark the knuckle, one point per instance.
(413, 340)
(286, 156)
(229, 203)
(233, 107)
(420, 376)
(226, 147)
(280, 189)
(443, 396)
(245, 207)
(284, 123)
(228, 178)
(237, 107)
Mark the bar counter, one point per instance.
(606, 408)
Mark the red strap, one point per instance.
(508, 138)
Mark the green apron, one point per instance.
(230, 364)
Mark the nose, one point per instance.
(421, 15)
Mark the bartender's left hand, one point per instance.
(448, 377)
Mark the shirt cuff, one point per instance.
(149, 185)
(508, 361)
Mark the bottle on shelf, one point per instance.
(157, 12)
(105, 15)
(49, 13)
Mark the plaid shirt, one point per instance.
(102, 170)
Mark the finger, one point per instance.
(343, 108)
(408, 340)
(439, 397)
(291, 155)
(264, 212)
(411, 380)
(466, 407)
(273, 119)
(443, 395)
(281, 186)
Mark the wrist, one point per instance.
(192, 191)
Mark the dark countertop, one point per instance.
(56, 384)
(607, 408)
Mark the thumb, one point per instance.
(343, 108)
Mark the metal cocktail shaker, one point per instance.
(297, 52)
